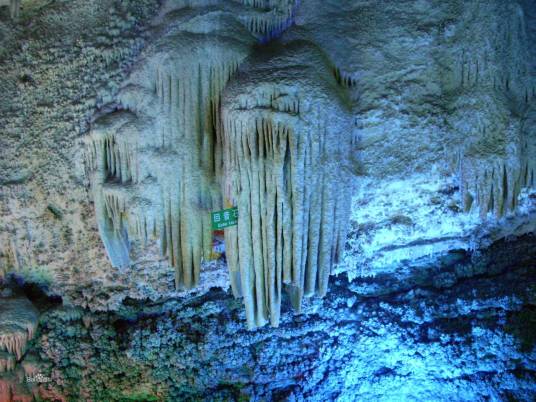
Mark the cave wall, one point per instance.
(417, 115)
(403, 69)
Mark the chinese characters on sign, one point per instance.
(225, 218)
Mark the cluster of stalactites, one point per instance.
(281, 175)
(345, 79)
(18, 322)
(156, 171)
(113, 168)
(15, 343)
(117, 157)
(270, 4)
(494, 187)
(270, 24)
(192, 100)
(180, 151)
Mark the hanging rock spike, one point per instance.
(153, 165)
(287, 135)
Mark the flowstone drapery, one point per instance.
(153, 162)
(287, 142)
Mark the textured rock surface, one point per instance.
(430, 303)
(410, 108)
(287, 139)
(58, 64)
(453, 331)
(18, 322)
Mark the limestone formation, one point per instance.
(490, 84)
(287, 136)
(493, 184)
(153, 162)
(18, 322)
(268, 19)
(212, 115)
(495, 164)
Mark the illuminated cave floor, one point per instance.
(432, 336)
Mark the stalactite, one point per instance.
(493, 186)
(154, 164)
(18, 322)
(344, 79)
(286, 148)
(270, 19)
(497, 163)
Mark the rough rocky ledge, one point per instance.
(460, 330)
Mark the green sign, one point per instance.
(225, 218)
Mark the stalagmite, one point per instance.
(18, 322)
(287, 138)
(153, 163)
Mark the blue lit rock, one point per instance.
(418, 342)
(433, 295)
